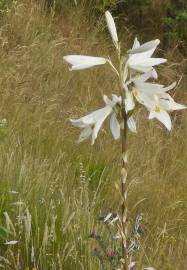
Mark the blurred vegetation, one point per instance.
(169, 17)
(4, 5)
(175, 23)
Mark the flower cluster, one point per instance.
(137, 68)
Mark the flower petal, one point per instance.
(144, 77)
(129, 100)
(140, 68)
(111, 27)
(78, 123)
(150, 88)
(114, 126)
(145, 47)
(96, 130)
(162, 116)
(171, 86)
(136, 44)
(112, 102)
(155, 74)
(131, 124)
(91, 118)
(143, 98)
(153, 88)
(116, 99)
(86, 132)
(150, 62)
(177, 106)
(106, 111)
(168, 103)
(107, 101)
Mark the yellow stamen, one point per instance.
(135, 91)
(157, 108)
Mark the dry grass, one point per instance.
(64, 185)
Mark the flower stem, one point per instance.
(124, 209)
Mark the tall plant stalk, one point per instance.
(124, 209)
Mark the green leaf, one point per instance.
(3, 233)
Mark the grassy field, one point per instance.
(53, 189)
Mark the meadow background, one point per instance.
(51, 188)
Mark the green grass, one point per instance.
(63, 185)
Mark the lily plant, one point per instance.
(134, 72)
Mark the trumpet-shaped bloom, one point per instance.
(140, 96)
(91, 123)
(155, 98)
(140, 56)
(143, 92)
(112, 28)
(80, 62)
(161, 115)
(160, 106)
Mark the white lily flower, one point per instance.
(155, 99)
(161, 115)
(80, 62)
(112, 28)
(160, 106)
(92, 122)
(140, 56)
(144, 91)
